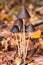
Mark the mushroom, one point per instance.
(19, 23)
(30, 28)
(23, 14)
(15, 29)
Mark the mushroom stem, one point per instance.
(23, 39)
(18, 45)
(23, 31)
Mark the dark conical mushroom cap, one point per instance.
(23, 14)
(15, 29)
(19, 23)
(30, 28)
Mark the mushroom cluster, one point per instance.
(21, 35)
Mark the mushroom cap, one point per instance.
(23, 14)
(30, 28)
(15, 29)
(19, 23)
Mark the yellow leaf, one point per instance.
(3, 16)
(36, 34)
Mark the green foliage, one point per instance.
(16, 11)
(0, 1)
(8, 18)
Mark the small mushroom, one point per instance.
(23, 14)
(19, 23)
(30, 28)
(15, 29)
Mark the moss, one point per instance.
(16, 11)
(0, 1)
